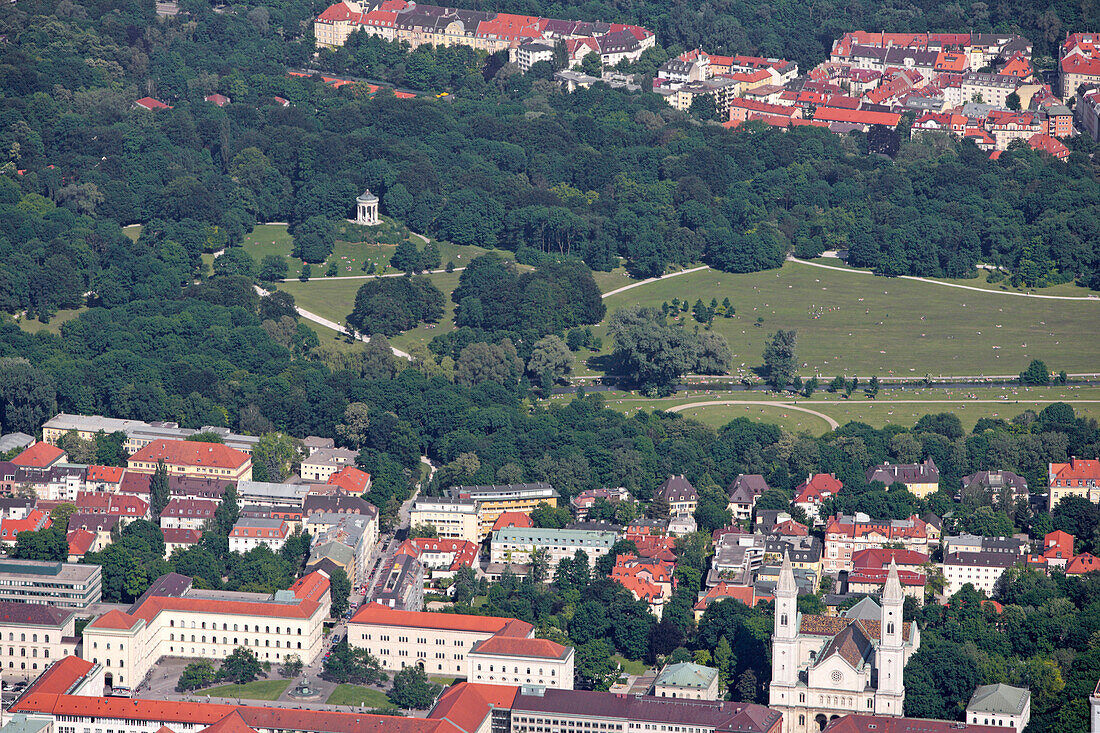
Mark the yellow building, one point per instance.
(495, 500)
(193, 459)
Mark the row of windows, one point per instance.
(34, 637)
(202, 652)
(405, 639)
(23, 652)
(225, 640)
(515, 670)
(225, 627)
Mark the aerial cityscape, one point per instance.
(526, 367)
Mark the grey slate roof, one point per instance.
(999, 699)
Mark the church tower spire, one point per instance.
(785, 637)
(890, 698)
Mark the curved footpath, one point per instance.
(1086, 298)
(309, 316)
(833, 424)
(340, 278)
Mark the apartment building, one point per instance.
(59, 584)
(846, 535)
(174, 619)
(1076, 478)
(453, 518)
(920, 479)
(324, 462)
(251, 532)
(980, 569)
(194, 459)
(515, 544)
(187, 513)
(495, 500)
(138, 433)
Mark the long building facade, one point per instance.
(418, 25)
(174, 619)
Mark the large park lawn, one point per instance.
(851, 323)
(892, 407)
(255, 690)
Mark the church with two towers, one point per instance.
(824, 667)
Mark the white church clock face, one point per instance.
(837, 677)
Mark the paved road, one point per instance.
(791, 258)
(833, 424)
(310, 316)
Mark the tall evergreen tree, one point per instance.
(158, 490)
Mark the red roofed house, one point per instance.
(513, 519)
(219, 99)
(815, 489)
(104, 478)
(351, 479)
(647, 580)
(1084, 563)
(861, 117)
(846, 535)
(40, 455)
(744, 593)
(790, 528)
(179, 539)
(34, 521)
(870, 568)
(445, 556)
(1076, 478)
(127, 645)
(1079, 63)
(1047, 144)
(150, 104)
(81, 542)
(126, 507)
(1008, 126)
(251, 532)
(187, 513)
(741, 108)
(194, 459)
(1058, 548)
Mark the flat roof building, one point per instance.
(61, 584)
(515, 544)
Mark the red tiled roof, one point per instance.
(817, 487)
(744, 593)
(59, 677)
(1080, 65)
(351, 479)
(191, 453)
(465, 553)
(791, 528)
(150, 103)
(34, 521)
(39, 455)
(176, 536)
(232, 723)
(374, 613)
(517, 646)
(312, 586)
(879, 558)
(1048, 144)
(513, 519)
(1084, 563)
(114, 619)
(465, 704)
(857, 116)
(882, 724)
(80, 541)
(105, 474)
(204, 714)
(100, 502)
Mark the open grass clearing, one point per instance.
(33, 325)
(854, 324)
(357, 696)
(133, 231)
(255, 690)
